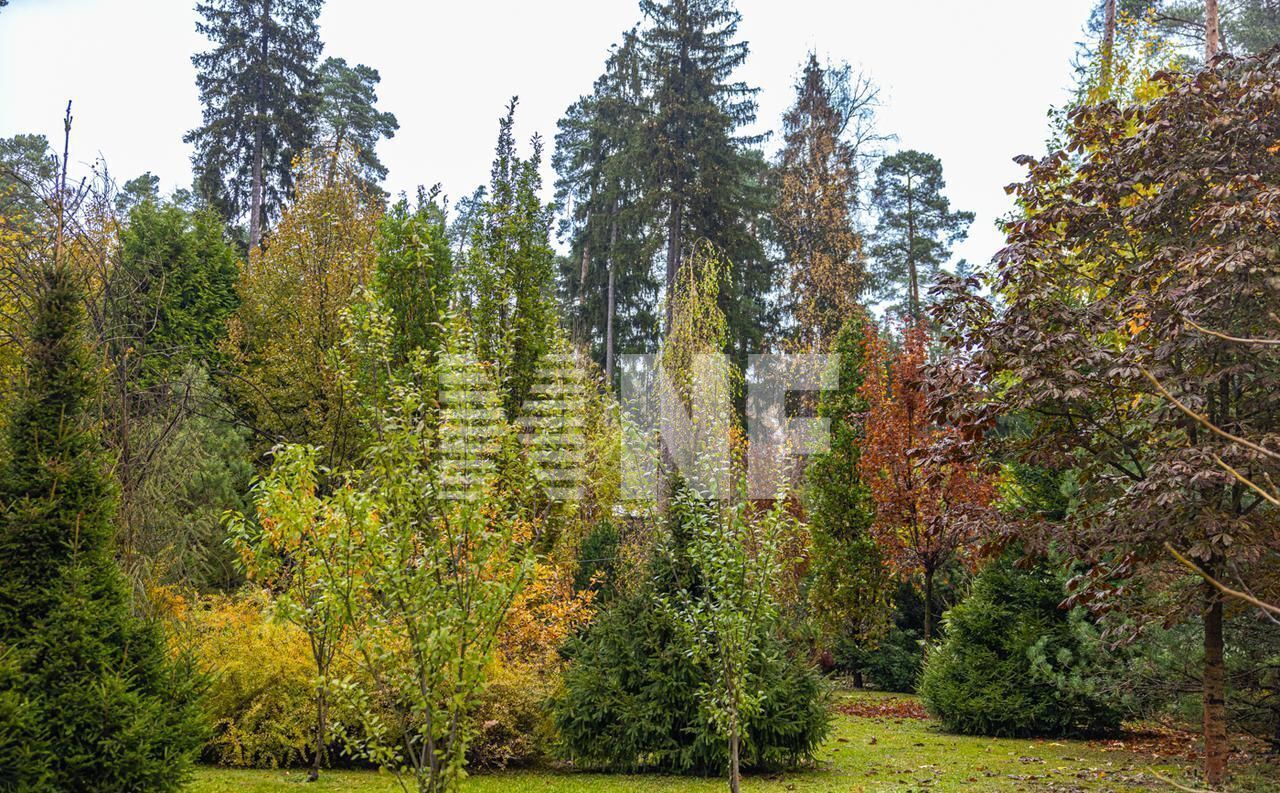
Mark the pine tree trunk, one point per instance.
(1108, 44)
(928, 607)
(913, 278)
(611, 306)
(1216, 744)
(1212, 32)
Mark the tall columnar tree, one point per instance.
(347, 117)
(818, 173)
(606, 282)
(509, 277)
(1146, 253)
(915, 228)
(117, 716)
(258, 87)
(849, 584)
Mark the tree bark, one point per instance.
(611, 305)
(928, 607)
(913, 277)
(255, 199)
(1212, 32)
(318, 762)
(673, 254)
(1108, 44)
(1216, 744)
(735, 769)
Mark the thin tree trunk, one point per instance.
(611, 305)
(1108, 45)
(913, 276)
(735, 769)
(1216, 744)
(928, 607)
(1212, 32)
(317, 764)
(255, 200)
(673, 255)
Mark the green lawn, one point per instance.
(863, 754)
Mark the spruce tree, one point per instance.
(258, 87)
(112, 713)
(606, 282)
(915, 228)
(699, 169)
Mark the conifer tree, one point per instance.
(849, 584)
(606, 281)
(509, 277)
(258, 87)
(116, 716)
(700, 170)
(817, 199)
(348, 117)
(915, 228)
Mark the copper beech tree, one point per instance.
(930, 499)
(1146, 251)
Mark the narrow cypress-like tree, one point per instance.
(258, 88)
(508, 280)
(116, 716)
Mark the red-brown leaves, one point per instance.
(930, 499)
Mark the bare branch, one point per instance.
(1209, 425)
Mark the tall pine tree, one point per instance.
(915, 228)
(258, 87)
(348, 117)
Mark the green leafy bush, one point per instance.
(1014, 664)
(891, 664)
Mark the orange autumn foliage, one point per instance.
(929, 502)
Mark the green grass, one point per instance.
(862, 755)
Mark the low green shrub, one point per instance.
(630, 698)
(1014, 664)
(890, 664)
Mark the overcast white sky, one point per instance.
(968, 81)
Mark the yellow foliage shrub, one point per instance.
(261, 693)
